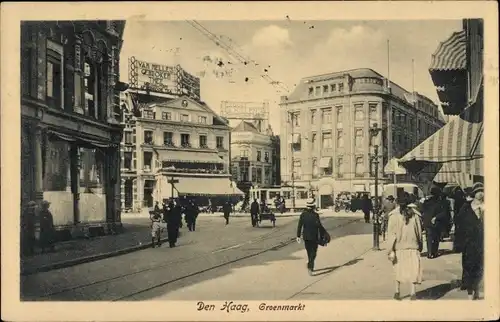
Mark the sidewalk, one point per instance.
(134, 237)
(347, 269)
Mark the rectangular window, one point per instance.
(317, 91)
(359, 169)
(266, 156)
(325, 89)
(313, 117)
(202, 119)
(333, 88)
(54, 79)
(326, 116)
(340, 167)
(244, 153)
(259, 175)
(297, 170)
(359, 138)
(148, 161)
(267, 175)
(168, 138)
(327, 140)
(127, 160)
(311, 91)
(373, 111)
(185, 142)
(358, 112)
(295, 119)
(128, 137)
(340, 139)
(148, 114)
(148, 137)
(259, 156)
(167, 116)
(203, 142)
(220, 142)
(184, 118)
(339, 114)
(341, 87)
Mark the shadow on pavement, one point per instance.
(436, 292)
(284, 253)
(327, 270)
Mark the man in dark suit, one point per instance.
(434, 214)
(310, 228)
(254, 212)
(227, 210)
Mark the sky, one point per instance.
(286, 51)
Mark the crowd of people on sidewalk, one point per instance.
(406, 226)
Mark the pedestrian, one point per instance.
(388, 206)
(433, 216)
(226, 210)
(28, 218)
(157, 207)
(47, 230)
(366, 207)
(405, 246)
(173, 220)
(254, 212)
(459, 200)
(472, 215)
(445, 224)
(311, 230)
(195, 212)
(155, 228)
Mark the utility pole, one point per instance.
(375, 160)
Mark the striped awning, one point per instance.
(451, 54)
(448, 174)
(189, 157)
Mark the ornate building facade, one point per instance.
(254, 156)
(173, 138)
(325, 129)
(70, 133)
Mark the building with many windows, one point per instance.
(254, 156)
(325, 129)
(177, 138)
(70, 134)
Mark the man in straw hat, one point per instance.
(310, 228)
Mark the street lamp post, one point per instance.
(291, 119)
(374, 130)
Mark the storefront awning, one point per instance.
(85, 142)
(197, 186)
(458, 144)
(451, 54)
(189, 157)
(449, 175)
(325, 162)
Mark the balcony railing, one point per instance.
(169, 144)
(186, 145)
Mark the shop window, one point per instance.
(56, 176)
(92, 169)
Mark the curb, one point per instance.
(87, 259)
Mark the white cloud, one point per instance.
(272, 36)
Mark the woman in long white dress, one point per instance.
(405, 246)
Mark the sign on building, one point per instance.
(162, 79)
(245, 110)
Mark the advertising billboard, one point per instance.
(245, 110)
(163, 79)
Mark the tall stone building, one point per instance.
(70, 135)
(325, 129)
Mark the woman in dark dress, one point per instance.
(459, 201)
(471, 216)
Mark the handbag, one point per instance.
(324, 237)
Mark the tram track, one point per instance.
(206, 259)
